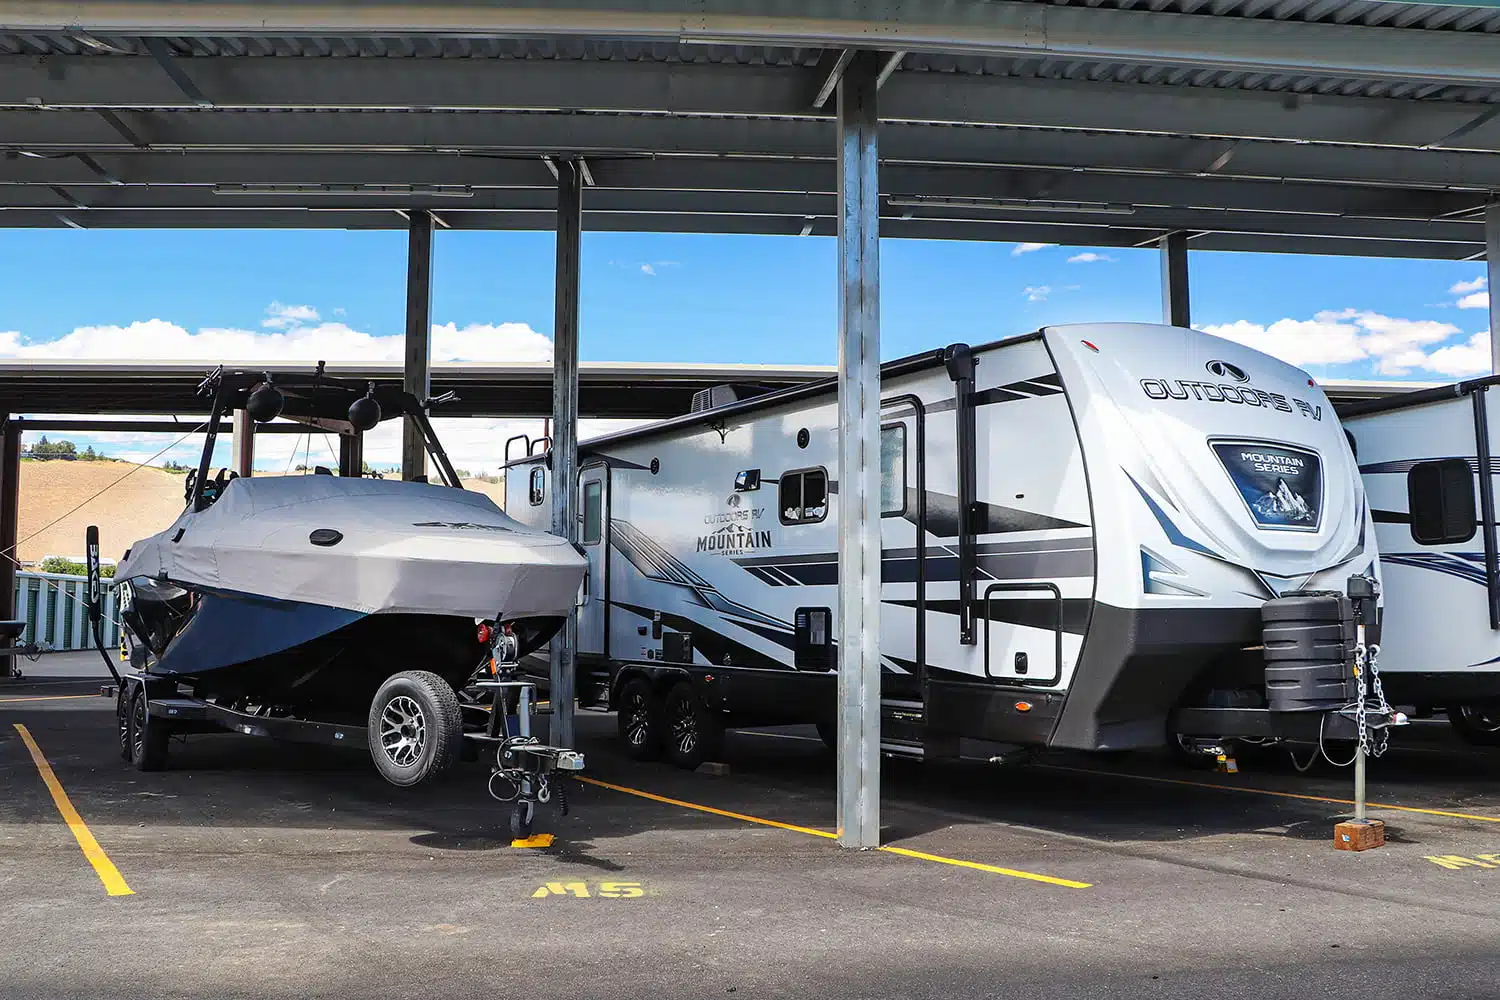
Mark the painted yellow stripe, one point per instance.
(920, 855)
(1012, 872)
(45, 697)
(114, 883)
(710, 809)
(1267, 791)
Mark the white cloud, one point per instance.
(1469, 358)
(1465, 287)
(473, 444)
(1396, 346)
(1089, 257)
(1021, 248)
(280, 316)
(648, 269)
(1475, 300)
(1037, 293)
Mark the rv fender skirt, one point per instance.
(1309, 643)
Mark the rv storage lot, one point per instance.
(260, 869)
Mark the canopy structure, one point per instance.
(1322, 126)
(1359, 127)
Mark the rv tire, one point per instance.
(639, 718)
(147, 740)
(415, 727)
(693, 733)
(1477, 722)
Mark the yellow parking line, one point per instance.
(810, 831)
(1267, 791)
(46, 697)
(114, 883)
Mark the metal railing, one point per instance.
(52, 605)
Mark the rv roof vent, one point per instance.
(722, 395)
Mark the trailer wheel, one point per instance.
(122, 722)
(639, 718)
(148, 740)
(694, 734)
(521, 816)
(1478, 722)
(415, 727)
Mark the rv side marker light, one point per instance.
(1023, 706)
(1090, 346)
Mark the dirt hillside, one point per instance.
(132, 505)
(139, 503)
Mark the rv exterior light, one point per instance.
(1090, 346)
(265, 403)
(1023, 706)
(364, 412)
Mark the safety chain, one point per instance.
(1369, 657)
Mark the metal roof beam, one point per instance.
(122, 83)
(298, 134)
(976, 27)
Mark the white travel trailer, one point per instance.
(1427, 461)
(1081, 526)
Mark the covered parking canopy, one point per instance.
(1318, 126)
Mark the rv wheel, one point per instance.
(639, 719)
(415, 727)
(122, 722)
(1478, 722)
(147, 739)
(694, 734)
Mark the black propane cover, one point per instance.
(1309, 640)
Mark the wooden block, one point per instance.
(714, 768)
(1359, 836)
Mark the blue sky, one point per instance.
(340, 295)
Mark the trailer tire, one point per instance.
(694, 734)
(1477, 722)
(639, 718)
(148, 740)
(122, 720)
(415, 727)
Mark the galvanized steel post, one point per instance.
(1492, 271)
(418, 337)
(859, 456)
(565, 426)
(244, 443)
(10, 509)
(1176, 307)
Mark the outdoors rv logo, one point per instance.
(734, 540)
(1222, 392)
(1223, 369)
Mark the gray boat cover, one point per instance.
(405, 547)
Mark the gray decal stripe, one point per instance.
(1084, 544)
(943, 520)
(1406, 464)
(942, 567)
(1038, 612)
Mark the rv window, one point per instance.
(803, 496)
(1440, 496)
(893, 469)
(538, 486)
(593, 512)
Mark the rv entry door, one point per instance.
(593, 535)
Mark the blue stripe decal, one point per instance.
(1173, 534)
(1464, 565)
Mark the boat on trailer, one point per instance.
(341, 610)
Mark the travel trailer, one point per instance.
(1427, 462)
(1081, 527)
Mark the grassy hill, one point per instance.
(130, 505)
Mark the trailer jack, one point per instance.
(526, 773)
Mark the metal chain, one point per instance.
(1381, 705)
(1359, 678)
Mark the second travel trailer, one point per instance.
(1428, 463)
(1081, 529)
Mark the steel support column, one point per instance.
(1492, 270)
(244, 443)
(565, 426)
(1175, 302)
(859, 456)
(10, 510)
(351, 455)
(418, 337)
